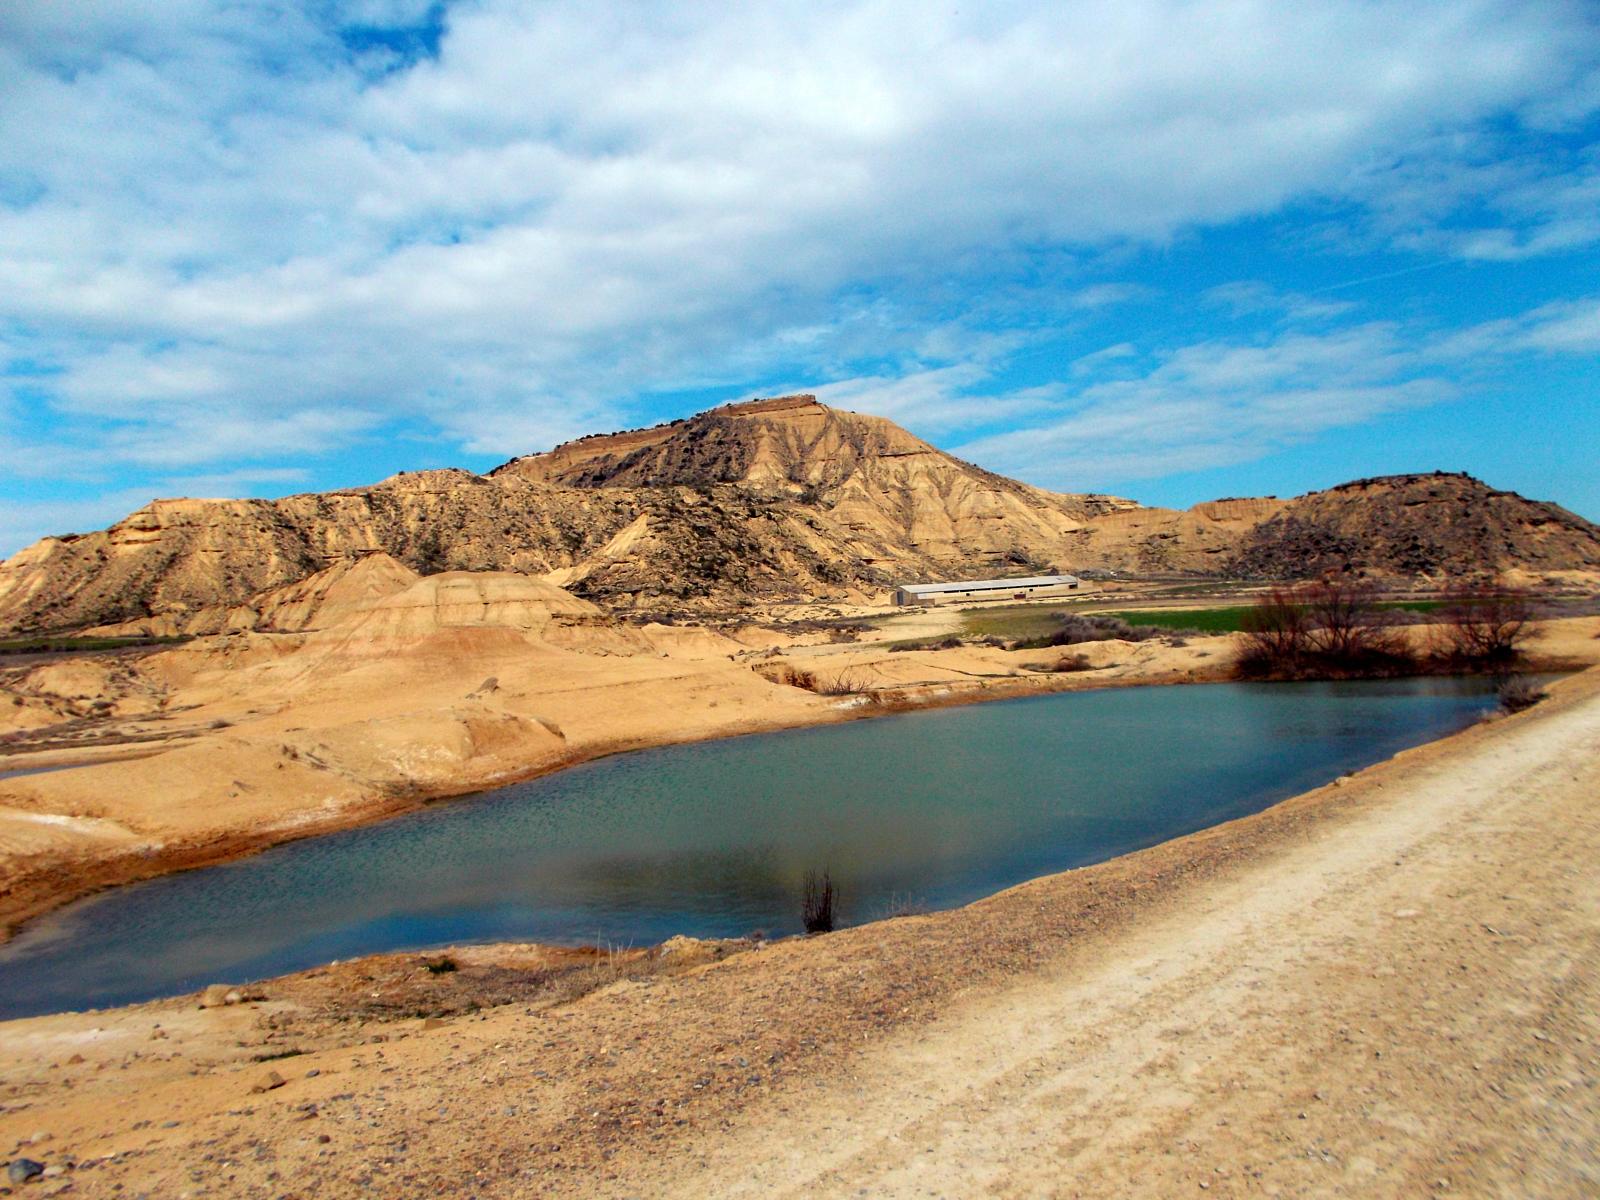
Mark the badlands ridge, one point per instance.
(770, 501)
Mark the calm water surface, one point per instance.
(712, 840)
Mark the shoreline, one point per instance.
(216, 854)
(641, 1087)
(35, 894)
(18, 906)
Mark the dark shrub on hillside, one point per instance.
(1072, 662)
(816, 906)
(948, 643)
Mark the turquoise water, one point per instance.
(932, 809)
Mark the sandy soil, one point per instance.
(1386, 987)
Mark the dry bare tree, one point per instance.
(1482, 625)
(1332, 627)
(1275, 630)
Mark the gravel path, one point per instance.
(1403, 1006)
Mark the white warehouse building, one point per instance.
(1037, 586)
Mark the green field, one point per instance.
(1024, 621)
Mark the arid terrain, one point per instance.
(359, 653)
(1382, 988)
(782, 500)
(1304, 1002)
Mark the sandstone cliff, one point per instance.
(764, 501)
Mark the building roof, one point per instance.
(978, 585)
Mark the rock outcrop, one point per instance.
(757, 502)
(1416, 526)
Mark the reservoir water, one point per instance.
(929, 809)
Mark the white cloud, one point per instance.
(234, 236)
(1213, 404)
(1482, 197)
(587, 204)
(1561, 327)
(935, 400)
(1251, 296)
(24, 522)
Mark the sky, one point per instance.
(1170, 251)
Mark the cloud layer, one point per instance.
(245, 234)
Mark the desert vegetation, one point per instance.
(817, 902)
(1517, 692)
(1074, 629)
(1336, 628)
(1484, 627)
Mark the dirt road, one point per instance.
(1407, 1005)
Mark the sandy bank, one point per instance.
(1386, 987)
(261, 740)
(230, 745)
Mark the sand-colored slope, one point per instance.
(455, 683)
(321, 598)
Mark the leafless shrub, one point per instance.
(1275, 632)
(848, 681)
(947, 643)
(788, 674)
(1331, 628)
(1517, 692)
(816, 907)
(1481, 626)
(1072, 662)
(1346, 624)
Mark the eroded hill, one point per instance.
(764, 501)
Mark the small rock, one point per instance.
(679, 944)
(74, 1060)
(271, 1080)
(234, 996)
(215, 996)
(313, 1073)
(23, 1169)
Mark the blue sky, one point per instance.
(1165, 250)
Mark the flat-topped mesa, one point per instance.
(1436, 525)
